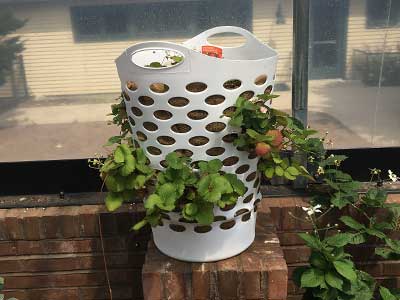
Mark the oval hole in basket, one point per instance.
(159, 87)
(246, 216)
(242, 169)
(215, 99)
(247, 95)
(183, 220)
(256, 182)
(215, 151)
(256, 204)
(260, 80)
(165, 216)
(197, 114)
(184, 152)
(241, 212)
(203, 229)
(195, 164)
(150, 126)
(229, 138)
(162, 114)
(141, 136)
(251, 176)
(180, 128)
(215, 126)
(227, 225)
(252, 155)
(228, 207)
(177, 228)
(131, 85)
(198, 140)
(228, 112)
(132, 121)
(227, 39)
(163, 163)
(196, 87)
(136, 111)
(219, 218)
(268, 90)
(157, 58)
(230, 161)
(135, 142)
(178, 101)
(153, 150)
(146, 100)
(248, 198)
(232, 84)
(126, 96)
(166, 140)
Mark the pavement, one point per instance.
(354, 115)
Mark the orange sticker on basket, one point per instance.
(212, 51)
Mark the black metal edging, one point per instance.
(301, 31)
(301, 12)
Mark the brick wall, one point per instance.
(56, 253)
(296, 253)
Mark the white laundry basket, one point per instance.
(186, 117)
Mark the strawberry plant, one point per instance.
(332, 274)
(265, 131)
(192, 193)
(126, 171)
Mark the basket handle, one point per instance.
(202, 38)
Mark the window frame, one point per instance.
(378, 24)
(202, 8)
(74, 175)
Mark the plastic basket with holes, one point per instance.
(180, 106)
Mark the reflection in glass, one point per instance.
(354, 69)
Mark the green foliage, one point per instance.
(258, 123)
(194, 194)
(386, 294)
(332, 273)
(125, 171)
(10, 47)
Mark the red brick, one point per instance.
(151, 281)
(391, 268)
(290, 238)
(32, 225)
(296, 254)
(173, 280)
(251, 264)
(103, 293)
(3, 229)
(14, 225)
(201, 281)
(8, 248)
(53, 294)
(228, 279)
(277, 279)
(373, 268)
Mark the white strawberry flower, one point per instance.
(393, 177)
(263, 109)
(312, 209)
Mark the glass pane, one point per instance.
(59, 88)
(354, 71)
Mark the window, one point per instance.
(378, 13)
(157, 20)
